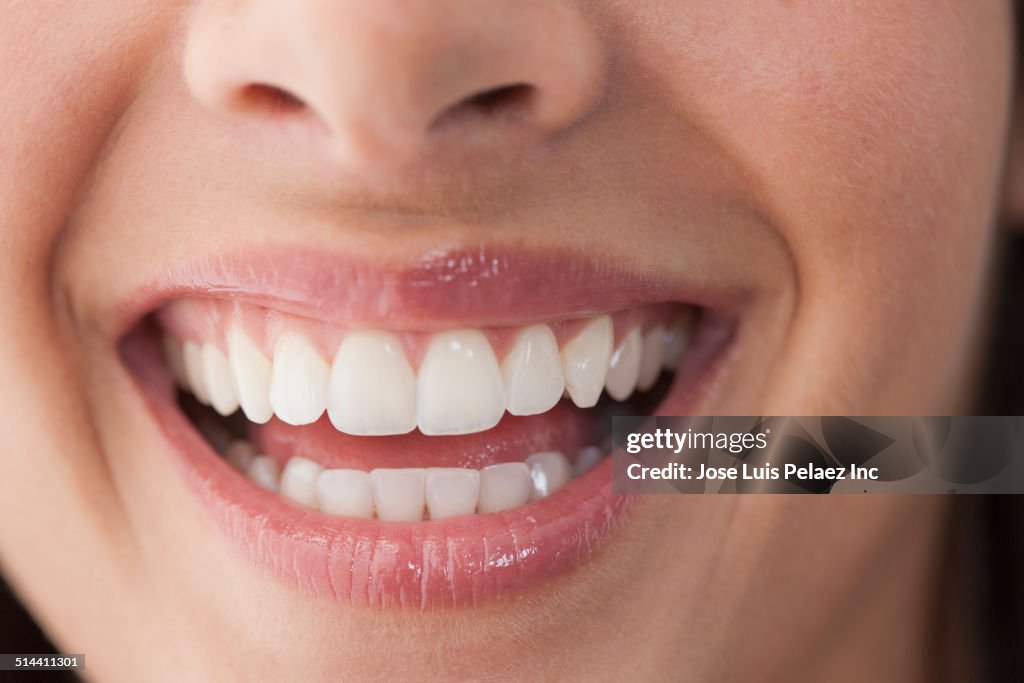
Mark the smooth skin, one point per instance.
(839, 164)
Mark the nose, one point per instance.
(389, 80)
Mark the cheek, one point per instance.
(68, 74)
(871, 137)
(859, 116)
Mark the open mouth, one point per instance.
(394, 467)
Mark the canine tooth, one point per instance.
(585, 361)
(298, 481)
(676, 337)
(251, 371)
(532, 372)
(219, 385)
(504, 486)
(298, 381)
(451, 491)
(550, 470)
(650, 359)
(175, 356)
(398, 493)
(345, 492)
(624, 366)
(459, 389)
(265, 472)
(240, 454)
(372, 388)
(193, 354)
(586, 459)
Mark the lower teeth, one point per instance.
(405, 494)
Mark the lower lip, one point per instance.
(459, 562)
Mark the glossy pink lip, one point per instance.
(449, 563)
(439, 290)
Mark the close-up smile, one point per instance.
(446, 340)
(386, 465)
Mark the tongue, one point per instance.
(564, 428)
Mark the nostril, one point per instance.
(269, 99)
(505, 97)
(507, 101)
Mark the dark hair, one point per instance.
(19, 634)
(997, 522)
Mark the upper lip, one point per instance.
(441, 289)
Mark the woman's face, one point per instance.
(461, 187)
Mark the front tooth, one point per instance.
(504, 486)
(298, 381)
(345, 492)
(372, 389)
(532, 372)
(550, 471)
(459, 389)
(624, 366)
(585, 460)
(398, 493)
(676, 337)
(219, 385)
(251, 370)
(585, 361)
(175, 356)
(193, 354)
(451, 491)
(650, 363)
(298, 481)
(265, 472)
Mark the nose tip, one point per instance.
(391, 79)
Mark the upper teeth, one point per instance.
(585, 361)
(459, 388)
(532, 372)
(370, 388)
